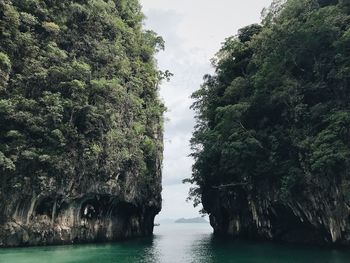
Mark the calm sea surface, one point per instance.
(176, 243)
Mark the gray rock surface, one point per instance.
(81, 212)
(316, 217)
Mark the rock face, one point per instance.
(80, 122)
(89, 212)
(81, 210)
(249, 213)
(271, 144)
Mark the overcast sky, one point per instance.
(193, 31)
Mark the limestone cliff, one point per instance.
(250, 213)
(80, 211)
(271, 144)
(80, 122)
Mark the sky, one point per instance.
(193, 31)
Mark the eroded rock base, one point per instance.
(316, 219)
(53, 220)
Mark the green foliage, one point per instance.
(276, 113)
(51, 27)
(5, 163)
(78, 92)
(5, 68)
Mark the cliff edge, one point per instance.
(271, 144)
(81, 137)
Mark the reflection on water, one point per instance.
(183, 243)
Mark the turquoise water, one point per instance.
(182, 243)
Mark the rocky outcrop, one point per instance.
(271, 143)
(80, 122)
(89, 212)
(244, 211)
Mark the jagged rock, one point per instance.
(317, 218)
(271, 143)
(80, 122)
(85, 216)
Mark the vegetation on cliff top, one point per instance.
(78, 93)
(276, 113)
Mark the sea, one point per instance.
(178, 243)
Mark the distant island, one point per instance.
(165, 221)
(196, 220)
